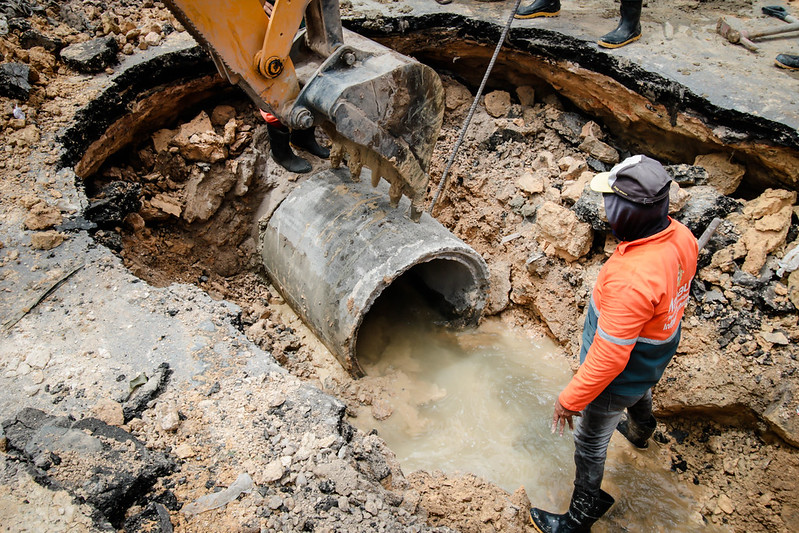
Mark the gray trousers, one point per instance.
(593, 430)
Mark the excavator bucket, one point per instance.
(381, 109)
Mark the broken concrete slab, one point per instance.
(91, 56)
(113, 467)
(14, 80)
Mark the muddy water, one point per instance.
(481, 401)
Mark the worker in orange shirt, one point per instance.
(631, 332)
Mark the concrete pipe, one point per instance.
(334, 245)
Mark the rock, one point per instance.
(599, 150)
(502, 133)
(184, 451)
(783, 414)
(573, 190)
(152, 38)
(382, 409)
(770, 218)
(562, 232)
(32, 38)
(526, 95)
(42, 216)
(704, 204)
(725, 504)
(775, 337)
(91, 56)
(271, 472)
(229, 135)
(47, 240)
(482, 128)
(590, 208)
(205, 191)
(793, 288)
(134, 222)
(774, 299)
(27, 136)
(109, 412)
(197, 141)
(687, 174)
(162, 138)
(113, 203)
(568, 125)
(770, 202)
(591, 130)
(723, 174)
(499, 288)
(118, 468)
(247, 166)
(456, 95)
(74, 18)
(222, 114)
(677, 198)
(571, 168)
(41, 60)
(109, 24)
(37, 359)
(143, 394)
(14, 80)
(497, 103)
(167, 204)
(532, 183)
(167, 416)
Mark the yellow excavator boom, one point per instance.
(381, 109)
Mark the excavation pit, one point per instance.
(218, 251)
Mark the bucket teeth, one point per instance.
(394, 193)
(355, 164)
(337, 153)
(416, 210)
(356, 157)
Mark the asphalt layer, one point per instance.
(679, 49)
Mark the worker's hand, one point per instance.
(561, 417)
(268, 8)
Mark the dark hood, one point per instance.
(631, 221)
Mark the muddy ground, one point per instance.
(250, 390)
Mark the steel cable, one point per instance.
(443, 182)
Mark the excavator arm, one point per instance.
(381, 109)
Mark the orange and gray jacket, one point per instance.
(632, 328)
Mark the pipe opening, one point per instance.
(448, 286)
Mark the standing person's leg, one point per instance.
(279, 139)
(640, 423)
(592, 434)
(629, 28)
(539, 8)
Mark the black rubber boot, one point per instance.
(539, 8)
(629, 28)
(788, 61)
(584, 510)
(638, 435)
(306, 140)
(282, 153)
